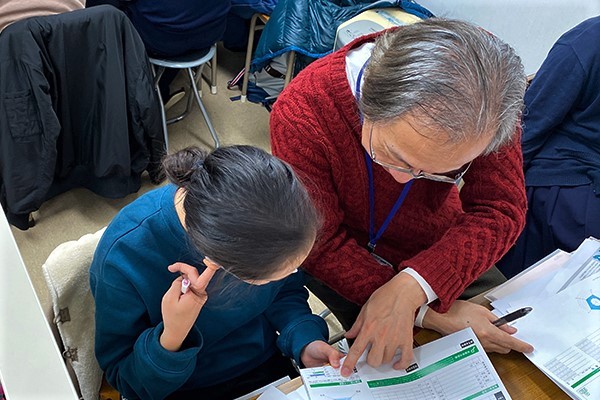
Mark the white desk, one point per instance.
(31, 366)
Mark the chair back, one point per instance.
(66, 272)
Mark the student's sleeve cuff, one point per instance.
(296, 336)
(173, 361)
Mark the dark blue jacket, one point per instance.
(236, 329)
(561, 136)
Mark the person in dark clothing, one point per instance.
(173, 28)
(561, 150)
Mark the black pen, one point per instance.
(510, 317)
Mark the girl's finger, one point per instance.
(185, 269)
(334, 357)
(204, 279)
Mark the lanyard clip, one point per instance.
(371, 247)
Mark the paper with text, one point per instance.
(453, 367)
(564, 329)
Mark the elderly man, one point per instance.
(382, 132)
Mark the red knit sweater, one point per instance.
(450, 238)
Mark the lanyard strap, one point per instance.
(357, 87)
(374, 237)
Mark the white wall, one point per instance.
(31, 365)
(530, 26)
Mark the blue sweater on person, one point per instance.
(561, 123)
(234, 333)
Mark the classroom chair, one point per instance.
(255, 27)
(193, 64)
(79, 110)
(71, 316)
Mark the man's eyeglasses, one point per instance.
(449, 177)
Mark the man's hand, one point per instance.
(465, 314)
(386, 323)
(318, 353)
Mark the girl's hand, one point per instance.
(464, 314)
(180, 311)
(319, 353)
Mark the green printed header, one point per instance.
(317, 385)
(444, 362)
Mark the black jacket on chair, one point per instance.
(77, 109)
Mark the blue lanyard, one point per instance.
(358, 79)
(374, 237)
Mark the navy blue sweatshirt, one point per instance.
(561, 124)
(174, 27)
(234, 333)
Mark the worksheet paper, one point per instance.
(564, 329)
(453, 367)
(272, 393)
(584, 262)
(549, 276)
(545, 269)
(264, 389)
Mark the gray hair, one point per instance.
(452, 76)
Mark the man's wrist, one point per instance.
(438, 322)
(410, 289)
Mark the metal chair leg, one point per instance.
(201, 105)
(212, 79)
(213, 74)
(248, 57)
(290, 68)
(163, 116)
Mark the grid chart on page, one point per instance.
(447, 384)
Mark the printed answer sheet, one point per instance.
(564, 329)
(453, 367)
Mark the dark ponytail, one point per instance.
(180, 166)
(245, 209)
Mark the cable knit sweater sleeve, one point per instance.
(494, 204)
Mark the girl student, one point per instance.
(236, 223)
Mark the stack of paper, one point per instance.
(453, 367)
(564, 326)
